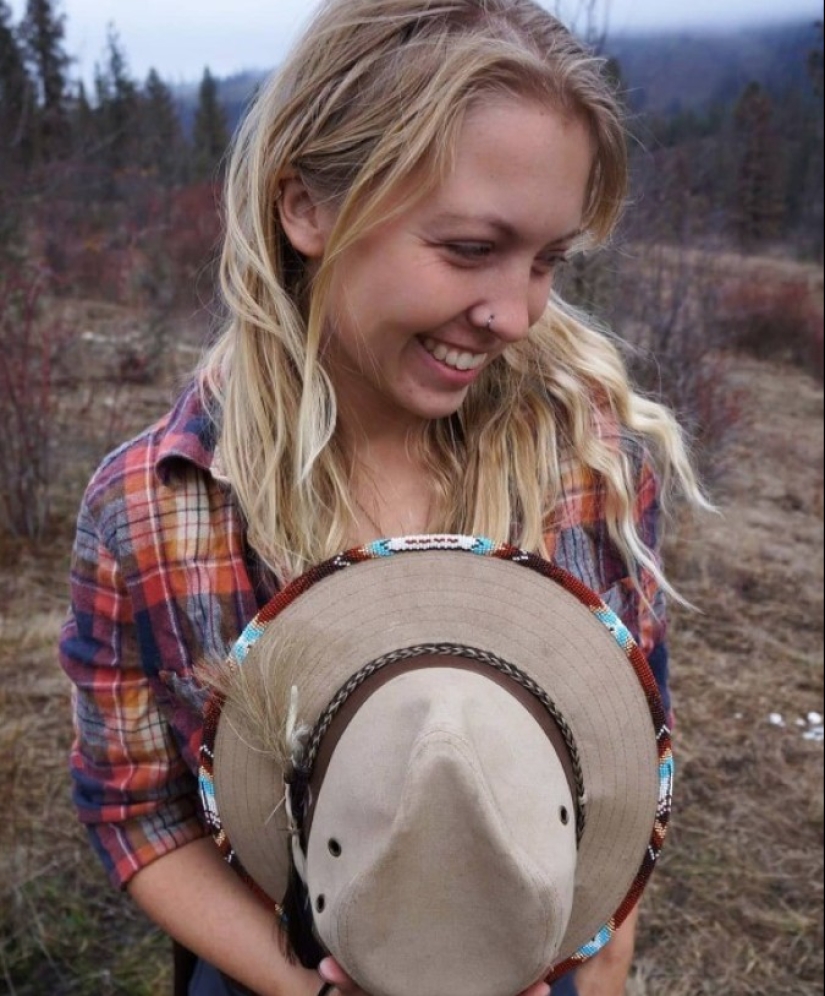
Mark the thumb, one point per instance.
(331, 971)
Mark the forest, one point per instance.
(115, 189)
(112, 193)
(727, 146)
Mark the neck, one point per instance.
(390, 485)
(365, 415)
(381, 443)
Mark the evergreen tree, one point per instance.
(84, 129)
(210, 135)
(118, 122)
(759, 203)
(815, 179)
(15, 94)
(42, 32)
(815, 62)
(163, 147)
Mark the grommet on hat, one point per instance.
(453, 753)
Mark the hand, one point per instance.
(331, 971)
(539, 989)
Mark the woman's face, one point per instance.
(412, 302)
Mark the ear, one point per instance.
(307, 225)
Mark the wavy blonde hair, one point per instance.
(373, 96)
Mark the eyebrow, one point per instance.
(504, 227)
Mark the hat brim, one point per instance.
(398, 594)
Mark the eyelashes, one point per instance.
(470, 250)
(480, 252)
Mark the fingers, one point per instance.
(331, 971)
(539, 989)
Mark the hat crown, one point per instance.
(428, 801)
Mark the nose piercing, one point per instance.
(490, 321)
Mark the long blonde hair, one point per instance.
(375, 94)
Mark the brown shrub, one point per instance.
(30, 345)
(774, 319)
(662, 302)
(145, 246)
(194, 230)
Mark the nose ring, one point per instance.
(490, 321)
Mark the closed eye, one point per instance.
(550, 262)
(470, 252)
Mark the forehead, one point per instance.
(524, 163)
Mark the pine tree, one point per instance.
(16, 95)
(815, 180)
(816, 61)
(42, 32)
(759, 203)
(118, 121)
(84, 127)
(163, 147)
(210, 135)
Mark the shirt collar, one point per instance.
(190, 435)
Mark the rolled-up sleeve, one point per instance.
(131, 786)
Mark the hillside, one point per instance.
(673, 72)
(665, 73)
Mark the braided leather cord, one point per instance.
(452, 650)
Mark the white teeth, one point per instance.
(453, 357)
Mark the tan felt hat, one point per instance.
(459, 750)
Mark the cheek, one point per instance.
(409, 301)
(539, 297)
(379, 289)
(388, 285)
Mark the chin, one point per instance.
(434, 413)
(433, 406)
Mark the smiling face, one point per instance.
(423, 303)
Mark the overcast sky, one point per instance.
(180, 37)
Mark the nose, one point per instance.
(516, 301)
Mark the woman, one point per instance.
(394, 361)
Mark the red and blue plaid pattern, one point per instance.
(162, 580)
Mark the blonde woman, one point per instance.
(394, 361)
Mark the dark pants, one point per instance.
(566, 986)
(208, 981)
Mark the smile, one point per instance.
(455, 358)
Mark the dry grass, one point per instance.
(737, 904)
(62, 930)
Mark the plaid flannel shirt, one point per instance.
(162, 579)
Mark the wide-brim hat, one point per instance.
(451, 818)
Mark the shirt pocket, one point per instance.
(588, 553)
